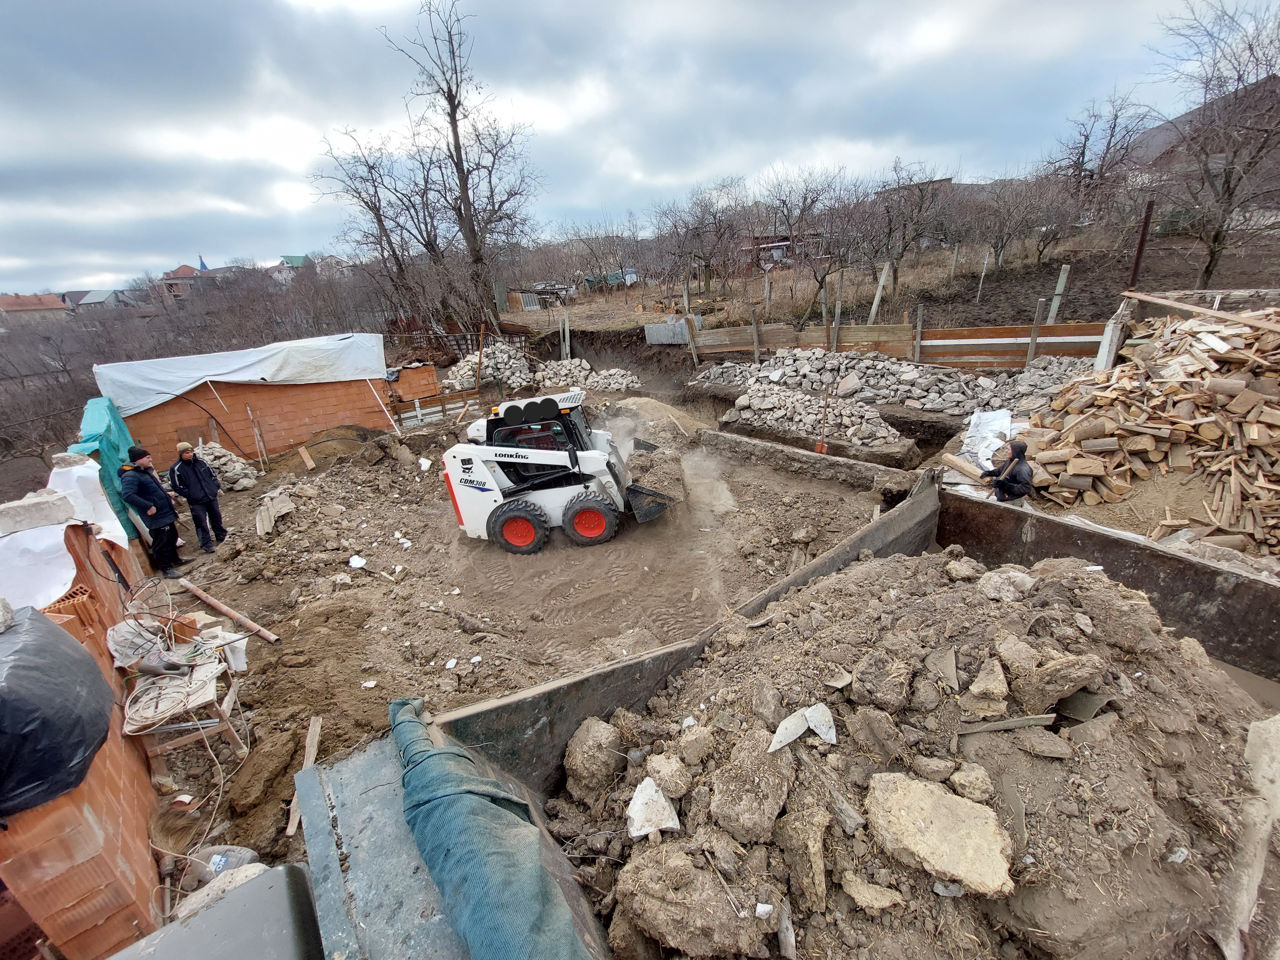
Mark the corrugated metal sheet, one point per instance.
(672, 330)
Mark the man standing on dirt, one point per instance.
(140, 488)
(195, 481)
(1011, 480)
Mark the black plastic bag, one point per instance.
(55, 711)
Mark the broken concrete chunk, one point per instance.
(924, 825)
(966, 568)
(1059, 678)
(40, 509)
(7, 618)
(750, 790)
(1042, 743)
(650, 810)
(799, 836)
(593, 758)
(942, 664)
(765, 702)
(695, 745)
(990, 683)
(972, 782)
(869, 896)
(669, 774)
(1005, 585)
(838, 680)
(821, 722)
(933, 768)
(1018, 656)
(1095, 731)
(790, 729)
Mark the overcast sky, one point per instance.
(136, 135)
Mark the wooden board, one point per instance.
(308, 758)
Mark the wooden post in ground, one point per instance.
(1035, 331)
(1057, 294)
(693, 347)
(985, 257)
(823, 292)
(835, 330)
(875, 302)
(767, 295)
(915, 350)
(755, 337)
(686, 288)
(955, 258)
(1142, 245)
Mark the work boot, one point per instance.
(172, 574)
(209, 549)
(182, 561)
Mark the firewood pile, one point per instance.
(1197, 396)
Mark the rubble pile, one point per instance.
(1200, 397)
(563, 373)
(501, 364)
(920, 757)
(793, 412)
(613, 380)
(876, 378)
(235, 473)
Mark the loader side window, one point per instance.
(532, 436)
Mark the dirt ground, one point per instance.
(455, 620)
(1116, 833)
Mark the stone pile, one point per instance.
(563, 373)
(613, 380)
(876, 378)
(235, 473)
(1023, 763)
(796, 413)
(501, 364)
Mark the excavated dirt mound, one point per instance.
(435, 614)
(912, 836)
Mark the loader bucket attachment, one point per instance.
(643, 445)
(647, 504)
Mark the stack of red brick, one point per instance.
(81, 865)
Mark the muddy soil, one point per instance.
(457, 620)
(1114, 834)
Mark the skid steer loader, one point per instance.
(532, 465)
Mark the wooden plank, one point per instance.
(1086, 467)
(1017, 331)
(308, 758)
(1203, 311)
(1055, 456)
(1100, 444)
(1245, 401)
(963, 467)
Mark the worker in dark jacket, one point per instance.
(1011, 480)
(141, 489)
(194, 480)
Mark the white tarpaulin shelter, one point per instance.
(137, 385)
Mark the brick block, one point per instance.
(89, 911)
(108, 937)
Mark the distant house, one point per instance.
(72, 298)
(288, 267)
(103, 300)
(20, 309)
(177, 284)
(330, 267)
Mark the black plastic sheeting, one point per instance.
(55, 710)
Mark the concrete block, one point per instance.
(39, 509)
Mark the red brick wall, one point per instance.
(81, 864)
(417, 383)
(287, 414)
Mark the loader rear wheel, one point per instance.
(589, 518)
(519, 526)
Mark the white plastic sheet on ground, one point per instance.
(139, 384)
(988, 431)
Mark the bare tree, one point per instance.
(1095, 156)
(1217, 166)
(908, 208)
(486, 181)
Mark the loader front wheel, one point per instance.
(519, 526)
(589, 519)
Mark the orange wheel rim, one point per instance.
(590, 523)
(518, 532)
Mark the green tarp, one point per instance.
(103, 431)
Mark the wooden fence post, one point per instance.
(915, 352)
(1057, 294)
(767, 295)
(835, 330)
(1035, 331)
(955, 258)
(875, 303)
(693, 347)
(755, 337)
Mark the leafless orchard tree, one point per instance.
(908, 207)
(704, 232)
(1219, 163)
(451, 190)
(1096, 155)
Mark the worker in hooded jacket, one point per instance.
(1011, 480)
(141, 489)
(194, 480)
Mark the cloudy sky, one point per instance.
(139, 134)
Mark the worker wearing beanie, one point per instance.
(141, 489)
(194, 480)
(1012, 479)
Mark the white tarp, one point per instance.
(136, 385)
(38, 568)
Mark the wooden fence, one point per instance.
(975, 347)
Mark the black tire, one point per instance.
(589, 519)
(519, 526)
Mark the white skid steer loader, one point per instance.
(536, 464)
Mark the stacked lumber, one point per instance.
(1198, 396)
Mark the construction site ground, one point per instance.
(435, 614)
